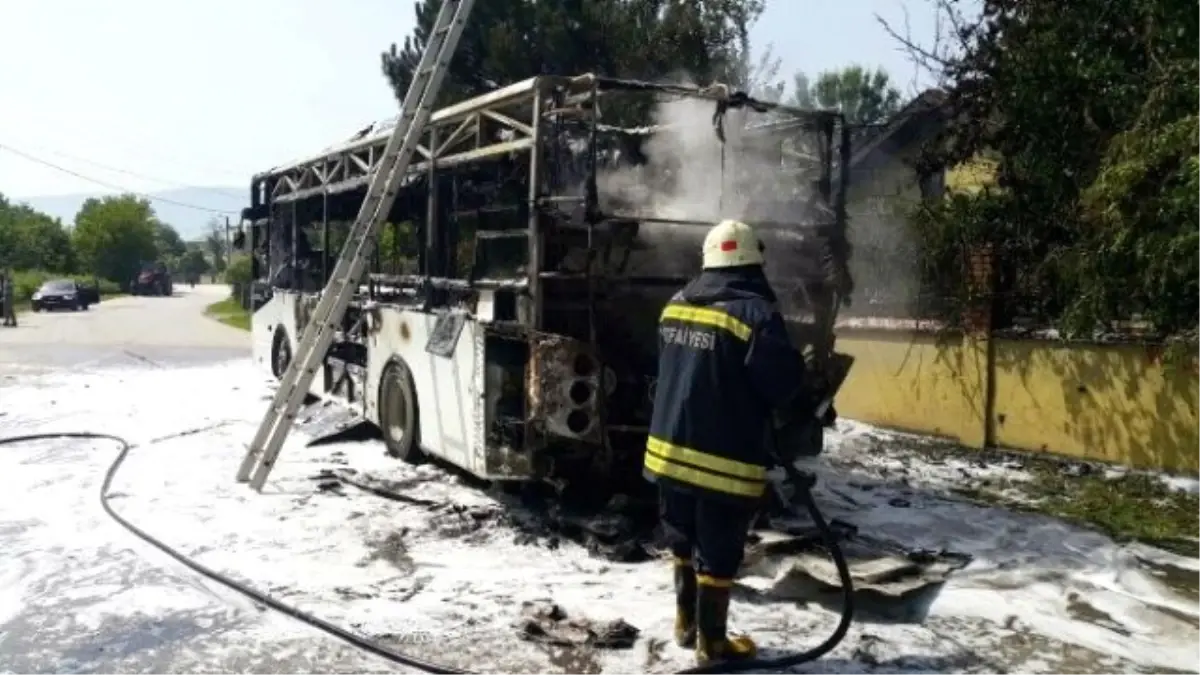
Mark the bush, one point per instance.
(25, 282)
(239, 275)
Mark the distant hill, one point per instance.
(189, 222)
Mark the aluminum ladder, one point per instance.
(347, 274)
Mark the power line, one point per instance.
(224, 191)
(113, 186)
(57, 125)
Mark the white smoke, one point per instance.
(682, 178)
(691, 175)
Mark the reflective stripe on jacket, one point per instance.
(725, 361)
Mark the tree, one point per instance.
(759, 78)
(214, 241)
(863, 96)
(169, 244)
(192, 263)
(511, 40)
(30, 239)
(113, 236)
(1089, 108)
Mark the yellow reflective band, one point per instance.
(666, 460)
(707, 317)
(704, 460)
(704, 479)
(707, 580)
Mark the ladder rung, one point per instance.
(381, 193)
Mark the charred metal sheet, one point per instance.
(797, 565)
(305, 304)
(444, 337)
(500, 428)
(563, 387)
(327, 423)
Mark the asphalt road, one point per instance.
(77, 592)
(130, 329)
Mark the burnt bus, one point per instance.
(508, 323)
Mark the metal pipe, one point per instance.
(534, 267)
(844, 177)
(447, 283)
(433, 227)
(325, 239)
(292, 271)
(505, 96)
(446, 162)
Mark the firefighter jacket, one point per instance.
(725, 363)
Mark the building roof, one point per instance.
(912, 123)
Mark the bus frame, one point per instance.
(513, 373)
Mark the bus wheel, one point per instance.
(398, 413)
(281, 354)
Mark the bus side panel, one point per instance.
(447, 389)
(280, 312)
(276, 312)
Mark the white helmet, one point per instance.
(731, 243)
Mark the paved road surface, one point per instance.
(128, 329)
(77, 592)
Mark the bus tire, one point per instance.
(281, 354)
(398, 417)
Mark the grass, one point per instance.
(229, 312)
(1129, 507)
(1126, 506)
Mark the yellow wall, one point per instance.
(1112, 403)
(1106, 402)
(916, 382)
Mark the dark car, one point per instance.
(60, 294)
(89, 292)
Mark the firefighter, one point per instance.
(725, 364)
(6, 298)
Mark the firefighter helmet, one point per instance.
(732, 243)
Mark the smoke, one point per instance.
(682, 177)
(689, 174)
(767, 180)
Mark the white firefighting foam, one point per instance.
(447, 582)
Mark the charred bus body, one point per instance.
(519, 343)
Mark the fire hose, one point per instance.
(802, 481)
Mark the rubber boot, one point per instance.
(712, 618)
(685, 603)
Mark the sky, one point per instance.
(148, 95)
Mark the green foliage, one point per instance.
(238, 271)
(1141, 233)
(216, 246)
(31, 239)
(192, 263)
(168, 244)
(114, 235)
(511, 40)
(229, 312)
(1090, 110)
(111, 237)
(863, 96)
(25, 282)
(238, 274)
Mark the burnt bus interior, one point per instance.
(556, 208)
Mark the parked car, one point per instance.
(61, 294)
(89, 292)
